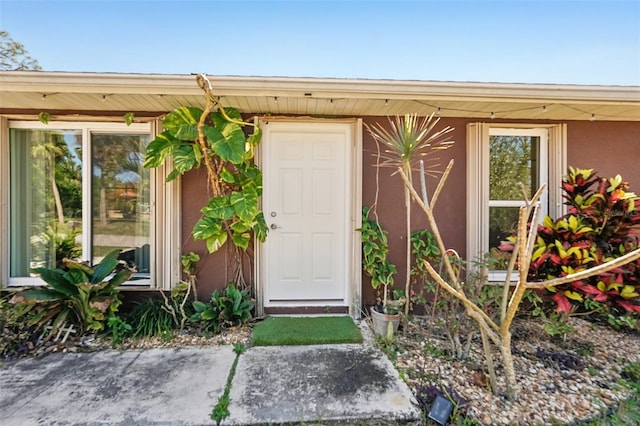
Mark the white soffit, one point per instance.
(155, 94)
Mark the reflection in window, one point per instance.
(503, 223)
(47, 195)
(45, 198)
(513, 160)
(120, 199)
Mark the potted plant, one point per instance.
(375, 263)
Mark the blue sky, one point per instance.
(544, 41)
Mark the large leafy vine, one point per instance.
(215, 137)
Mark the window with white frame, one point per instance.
(499, 159)
(77, 190)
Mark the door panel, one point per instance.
(306, 203)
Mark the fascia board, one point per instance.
(168, 84)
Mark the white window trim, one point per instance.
(4, 202)
(165, 213)
(167, 235)
(478, 180)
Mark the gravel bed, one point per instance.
(229, 336)
(559, 380)
(92, 343)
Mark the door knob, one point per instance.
(274, 226)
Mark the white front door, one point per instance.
(307, 202)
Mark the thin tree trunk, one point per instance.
(507, 362)
(103, 205)
(486, 346)
(56, 193)
(407, 286)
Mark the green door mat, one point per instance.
(305, 331)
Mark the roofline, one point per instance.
(184, 84)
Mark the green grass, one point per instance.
(221, 409)
(305, 331)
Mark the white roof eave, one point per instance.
(170, 84)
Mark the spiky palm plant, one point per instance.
(408, 140)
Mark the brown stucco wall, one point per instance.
(449, 211)
(213, 269)
(608, 147)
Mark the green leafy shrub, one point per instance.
(235, 305)
(228, 307)
(424, 249)
(79, 294)
(602, 223)
(207, 315)
(375, 251)
(375, 260)
(118, 329)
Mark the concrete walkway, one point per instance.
(324, 384)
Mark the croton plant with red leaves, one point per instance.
(602, 223)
